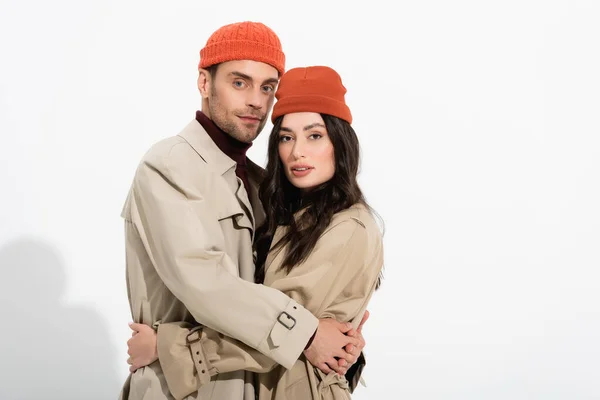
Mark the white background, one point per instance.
(479, 123)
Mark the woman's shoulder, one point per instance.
(360, 214)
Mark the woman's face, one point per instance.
(305, 150)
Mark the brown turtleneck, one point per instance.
(232, 147)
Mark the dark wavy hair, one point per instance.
(281, 200)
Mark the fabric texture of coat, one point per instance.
(336, 281)
(189, 225)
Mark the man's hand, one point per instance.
(141, 347)
(329, 344)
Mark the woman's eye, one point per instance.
(315, 136)
(284, 139)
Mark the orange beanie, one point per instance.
(243, 41)
(311, 89)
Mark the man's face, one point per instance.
(240, 96)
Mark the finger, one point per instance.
(325, 368)
(332, 363)
(344, 326)
(136, 327)
(131, 342)
(145, 328)
(352, 341)
(348, 340)
(343, 354)
(352, 332)
(129, 361)
(350, 358)
(362, 343)
(350, 348)
(355, 350)
(342, 363)
(364, 319)
(132, 369)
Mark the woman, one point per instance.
(319, 244)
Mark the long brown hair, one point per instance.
(281, 200)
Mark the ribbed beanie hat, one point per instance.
(311, 89)
(243, 41)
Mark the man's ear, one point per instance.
(204, 82)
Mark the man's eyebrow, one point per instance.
(241, 75)
(271, 80)
(249, 78)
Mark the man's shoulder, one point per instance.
(173, 153)
(165, 149)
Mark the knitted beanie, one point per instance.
(311, 89)
(243, 41)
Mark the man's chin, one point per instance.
(245, 136)
(248, 134)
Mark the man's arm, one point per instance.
(188, 360)
(183, 238)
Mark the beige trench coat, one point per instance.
(337, 280)
(189, 226)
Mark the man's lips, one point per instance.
(249, 118)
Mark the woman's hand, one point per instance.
(141, 347)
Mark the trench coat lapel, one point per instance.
(201, 142)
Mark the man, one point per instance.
(190, 218)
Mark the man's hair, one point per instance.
(212, 70)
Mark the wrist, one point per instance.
(310, 340)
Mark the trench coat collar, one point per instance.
(203, 144)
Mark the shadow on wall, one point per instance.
(48, 350)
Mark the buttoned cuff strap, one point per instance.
(293, 328)
(203, 369)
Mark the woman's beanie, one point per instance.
(243, 41)
(311, 89)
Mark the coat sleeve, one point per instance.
(190, 356)
(355, 263)
(182, 236)
(352, 302)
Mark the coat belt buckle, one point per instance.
(193, 337)
(279, 318)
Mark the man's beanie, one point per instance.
(243, 41)
(311, 89)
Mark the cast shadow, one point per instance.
(49, 349)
